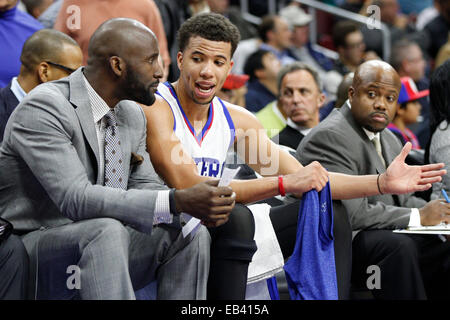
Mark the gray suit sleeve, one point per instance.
(337, 154)
(41, 134)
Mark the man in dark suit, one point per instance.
(77, 183)
(46, 55)
(411, 266)
(301, 98)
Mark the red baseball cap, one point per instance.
(235, 81)
(409, 91)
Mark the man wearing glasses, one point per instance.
(47, 55)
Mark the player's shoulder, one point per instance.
(241, 116)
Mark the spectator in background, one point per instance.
(48, 17)
(47, 55)
(301, 47)
(273, 118)
(301, 97)
(95, 12)
(234, 89)
(349, 43)
(408, 110)
(443, 54)
(262, 67)
(342, 93)
(407, 59)
(426, 15)
(15, 27)
(414, 7)
(397, 23)
(276, 37)
(233, 13)
(36, 7)
(273, 35)
(438, 28)
(439, 147)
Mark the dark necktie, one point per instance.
(114, 173)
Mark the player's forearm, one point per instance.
(248, 191)
(345, 186)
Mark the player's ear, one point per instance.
(179, 59)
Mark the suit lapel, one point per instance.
(80, 99)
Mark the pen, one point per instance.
(445, 195)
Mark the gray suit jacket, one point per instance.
(341, 145)
(50, 156)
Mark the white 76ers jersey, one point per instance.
(209, 147)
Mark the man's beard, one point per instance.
(135, 90)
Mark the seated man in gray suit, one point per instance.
(348, 141)
(78, 184)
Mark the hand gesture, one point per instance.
(207, 202)
(435, 212)
(312, 176)
(401, 178)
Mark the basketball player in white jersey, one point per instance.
(189, 132)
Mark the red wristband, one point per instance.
(280, 186)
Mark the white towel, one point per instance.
(268, 259)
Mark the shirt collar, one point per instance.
(17, 89)
(98, 105)
(304, 131)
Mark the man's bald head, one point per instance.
(373, 95)
(123, 61)
(121, 37)
(45, 45)
(376, 71)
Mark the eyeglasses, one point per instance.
(69, 70)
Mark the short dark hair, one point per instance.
(44, 45)
(210, 26)
(254, 62)
(341, 30)
(267, 24)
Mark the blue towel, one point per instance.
(311, 270)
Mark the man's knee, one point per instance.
(235, 239)
(110, 230)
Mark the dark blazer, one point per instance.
(289, 137)
(341, 145)
(8, 102)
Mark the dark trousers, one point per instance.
(284, 220)
(13, 269)
(410, 266)
(232, 249)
